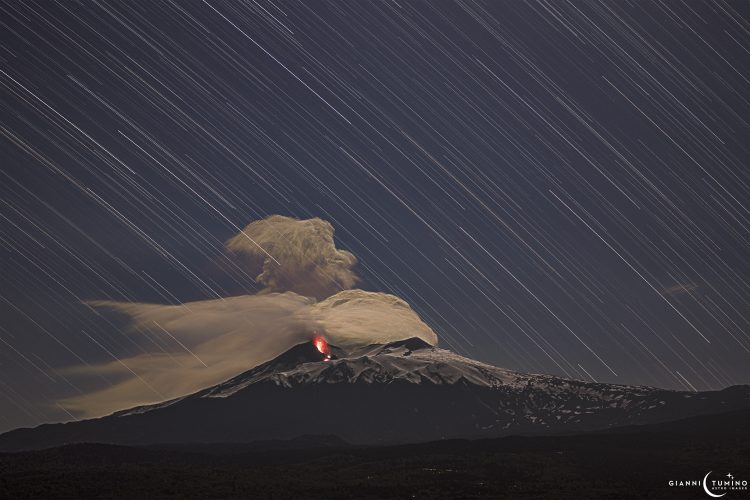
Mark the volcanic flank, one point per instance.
(404, 391)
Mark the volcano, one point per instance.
(406, 391)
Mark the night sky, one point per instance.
(555, 187)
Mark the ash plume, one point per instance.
(292, 255)
(197, 344)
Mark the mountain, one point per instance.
(406, 391)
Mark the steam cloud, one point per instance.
(198, 344)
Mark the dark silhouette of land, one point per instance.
(628, 462)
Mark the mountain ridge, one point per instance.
(405, 391)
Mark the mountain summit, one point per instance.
(404, 391)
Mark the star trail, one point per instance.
(555, 187)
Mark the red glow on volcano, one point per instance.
(322, 346)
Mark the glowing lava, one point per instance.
(321, 345)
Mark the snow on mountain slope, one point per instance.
(413, 361)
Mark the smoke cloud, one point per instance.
(198, 344)
(292, 255)
(189, 347)
(354, 318)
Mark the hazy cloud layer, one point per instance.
(288, 254)
(206, 342)
(228, 335)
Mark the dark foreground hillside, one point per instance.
(624, 463)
